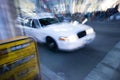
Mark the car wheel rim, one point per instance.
(51, 45)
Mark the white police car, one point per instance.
(63, 36)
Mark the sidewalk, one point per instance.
(48, 74)
(108, 68)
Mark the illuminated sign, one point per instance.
(19, 60)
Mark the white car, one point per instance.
(62, 36)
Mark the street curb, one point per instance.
(108, 68)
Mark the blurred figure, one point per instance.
(78, 17)
(112, 11)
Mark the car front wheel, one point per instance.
(51, 44)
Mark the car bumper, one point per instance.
(81, 42)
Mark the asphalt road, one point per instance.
(76, 65)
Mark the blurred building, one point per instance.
(7, 20)
(57, 6)
(84, 6)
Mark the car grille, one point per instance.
(81, 34)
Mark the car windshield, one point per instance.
(48, 21)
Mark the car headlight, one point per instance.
(89, 31)
(69, 39)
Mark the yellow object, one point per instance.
(19, 59)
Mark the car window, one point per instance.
(28, 23)
(48, 21)
(35, 23)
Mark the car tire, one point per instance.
(51, 44)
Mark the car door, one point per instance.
(28, 29)
(35, 30)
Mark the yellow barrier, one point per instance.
(19, 59)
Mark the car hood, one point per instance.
(65, 28)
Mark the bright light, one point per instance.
(89, 31)
(69, 39)
(107, 4)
